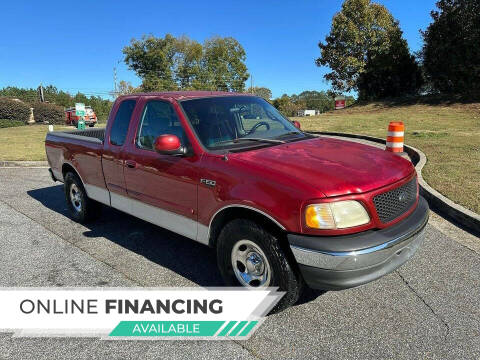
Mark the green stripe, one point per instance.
(248, 328)
(237, 328)
(227, 328)
(167, 328)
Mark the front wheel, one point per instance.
(82, 208)
(248, 255)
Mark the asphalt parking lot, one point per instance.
(429, 308)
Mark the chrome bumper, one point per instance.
(351, 260)
(346, 261)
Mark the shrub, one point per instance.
(5, 123)
(14, 110)
(46, 112)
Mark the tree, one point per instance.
(317, 100)
(171, 63)
(451, 51)
(289, 106)
(364, 36)
(125, 87)
(223, 65)
(152, 59)
(392, 73)
(188, 63)
(263, 92)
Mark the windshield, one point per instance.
(221, 121)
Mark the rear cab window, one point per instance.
(119, 130)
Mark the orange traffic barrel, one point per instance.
(396, 132)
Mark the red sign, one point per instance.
(339, 104)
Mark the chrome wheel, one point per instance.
(250, 264)
(75, 197)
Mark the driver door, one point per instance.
(163, 187)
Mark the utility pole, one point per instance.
(251, 83)
(40, 93)
(115, 87)
(115, 81)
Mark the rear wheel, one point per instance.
(82, 208)
(248, 255)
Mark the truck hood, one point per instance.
(334, 167)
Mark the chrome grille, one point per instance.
(396, 202)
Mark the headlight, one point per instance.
(336, 215)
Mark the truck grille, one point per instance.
(396, 202)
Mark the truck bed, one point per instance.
(80, 149)
(91, 135)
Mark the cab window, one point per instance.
(158, 118)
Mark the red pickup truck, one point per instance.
(281, 207)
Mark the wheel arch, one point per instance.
(67, 167)
(238, 211)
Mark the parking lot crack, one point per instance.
(437, 316)
(251, 352)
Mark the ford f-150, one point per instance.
(282, 207)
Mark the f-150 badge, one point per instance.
(208, 182)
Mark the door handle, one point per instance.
(131, 164)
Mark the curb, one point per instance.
(464, 217)
(26, 164)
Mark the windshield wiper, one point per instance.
(272, 141)
(288, 135)
(237, 140)
(292, 133)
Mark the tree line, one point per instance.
(58, 97)
(313, 100)
(367, 53)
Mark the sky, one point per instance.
(76, 45)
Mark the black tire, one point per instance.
(283, 274)
(85, 209)
(74, 123)
(91, 125)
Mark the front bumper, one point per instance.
(340, 262)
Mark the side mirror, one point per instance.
(296, 124)
(169, 145)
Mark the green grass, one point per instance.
(5, 123)
(449, 135)
(26, 142)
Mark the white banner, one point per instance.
(158, 313)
